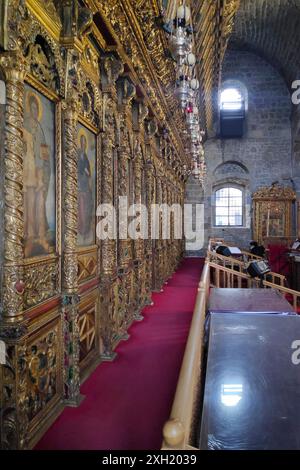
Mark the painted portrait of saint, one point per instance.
(39, 174)
(86, 145)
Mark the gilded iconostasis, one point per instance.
(82, 122)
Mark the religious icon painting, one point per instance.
(39, 174)
(86, 147)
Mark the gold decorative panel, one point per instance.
(87, 265)
(42, 281)
(88, 323)
(44, 371)
(273, 213)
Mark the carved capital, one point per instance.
(143, 112)
(126, 93)
(151, 128)
(111, 69)
(14, 65)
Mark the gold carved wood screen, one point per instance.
(83, 123)
(273, 209)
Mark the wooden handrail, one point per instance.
(254, 281)
(278, 279)
(177, 430)
(250, 255)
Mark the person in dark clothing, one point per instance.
(257, 249)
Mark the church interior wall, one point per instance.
(264, 154)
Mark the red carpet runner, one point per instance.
(128, 401)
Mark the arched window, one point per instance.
(233, 105)
(229, 207)
(231, 99)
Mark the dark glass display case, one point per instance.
(252, 387)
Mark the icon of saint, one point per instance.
(36, 180)
(85, 193)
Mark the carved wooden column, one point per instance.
(111, 68)
(139, 115)
(13, 374)
(70, 297)
(126, 92)
(175, 240)
(138, 243)
(13, 286)
(150, 129)
(164, 241)
(158, 242)
(170, 242)
(182, 199)
(148, 243)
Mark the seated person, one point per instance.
(296, 245)
(257, 249)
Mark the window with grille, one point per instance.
(229, 207)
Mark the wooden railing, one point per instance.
(223, 277)
(177, 430)
(236, 264)
(217, 241)
(251, 256)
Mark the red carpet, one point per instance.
(128, 401)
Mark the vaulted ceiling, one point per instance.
(271, 28)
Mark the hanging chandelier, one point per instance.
(181, 43)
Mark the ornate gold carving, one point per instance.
(212, 27)
(76, 20)
(88, 331)
(13, 398)
(46, 11)
(273, 212)
(108, 170)
(43, 366)
(137, 166)
(42, 281)
(70, 265)
(71, 349)
(40, 66)
(66, 66)
(15, 68)
(112, 68)
(3, 24)
(87, 266)
(275, 193)
(148, 59)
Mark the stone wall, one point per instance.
(264, 154)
